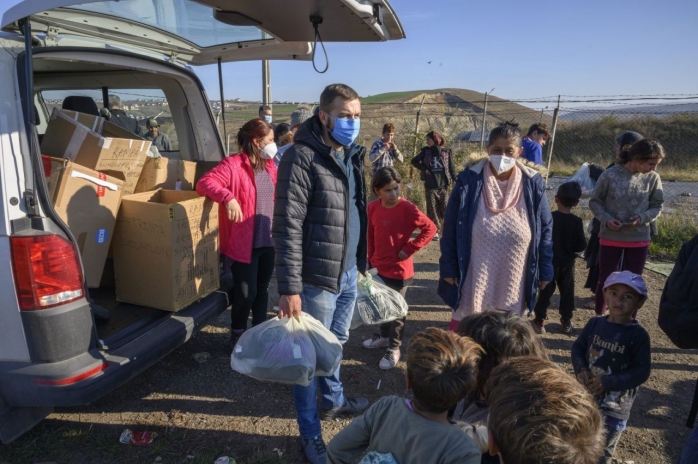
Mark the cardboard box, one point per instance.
(166, 249)
(93, 142)
(165, 173)
(171, 174)
(88, 202)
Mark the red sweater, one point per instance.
(390, 231)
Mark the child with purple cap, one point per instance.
(611, 357)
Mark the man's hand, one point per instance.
(402, 255)
(234, 211)
(450, 280)
(290, 306)
(596, 387)
(614, 224)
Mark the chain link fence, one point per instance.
(580, 135)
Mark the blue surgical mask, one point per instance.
(267, 118)
(346, 130)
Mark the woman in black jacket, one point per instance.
(436, 165)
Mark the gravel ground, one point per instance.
(205, 410)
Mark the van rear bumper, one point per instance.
(59, 384)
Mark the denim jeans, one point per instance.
(614, 429)
(335, 313)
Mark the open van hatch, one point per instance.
(201, 32)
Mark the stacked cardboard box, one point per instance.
(88, 202)
(171, 174)
(164, 242)
(93, 142)
(166, 249)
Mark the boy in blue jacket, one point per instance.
(611, 357)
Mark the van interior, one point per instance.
(86, 76)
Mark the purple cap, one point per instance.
(634, 281)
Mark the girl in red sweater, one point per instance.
(391, 222)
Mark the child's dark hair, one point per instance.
(569, 194)
(503, 335)
(442, 368)
(541, 128)
(539, 413)
(508, 131)
(384, 176)
(642, 150)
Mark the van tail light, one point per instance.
(47, 271)
(74, 379)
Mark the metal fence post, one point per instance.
(552, 139)
(416, 133)
(482, 129)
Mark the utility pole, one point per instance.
(266, 83)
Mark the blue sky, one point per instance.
(522, 49)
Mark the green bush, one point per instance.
(674, 230)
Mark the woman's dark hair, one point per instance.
(643, 150)
(280, 130)
(437, 138)
(503, 335)
(508, 131)
(384, 176)
(253, 129)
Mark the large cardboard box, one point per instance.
(171, 174)
(88, 202)
(92, 142)
(166, 249)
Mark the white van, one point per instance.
(52, 351)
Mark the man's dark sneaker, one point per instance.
(351, 407)
(538, 326)
(314, 448)
(566, 327)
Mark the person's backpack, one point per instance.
(678, 308)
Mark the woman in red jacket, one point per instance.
(243, 186)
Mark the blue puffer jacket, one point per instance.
(456, 242)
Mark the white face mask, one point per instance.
(502, 163)
(269, 151)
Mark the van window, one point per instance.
(139, 104)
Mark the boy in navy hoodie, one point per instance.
(611, 357)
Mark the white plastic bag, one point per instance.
(583, 178)
(328, 350)
(376, 303)
(278, 350)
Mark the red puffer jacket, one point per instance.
(234, 178)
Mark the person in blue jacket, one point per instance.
(536, 138)
(496, 249)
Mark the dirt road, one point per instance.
(202, 411)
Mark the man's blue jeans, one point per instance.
(335, 313)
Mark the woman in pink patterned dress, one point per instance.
(496, 249)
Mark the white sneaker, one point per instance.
(390, 359)
(376, 342)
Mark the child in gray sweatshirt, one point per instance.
(627, 198)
